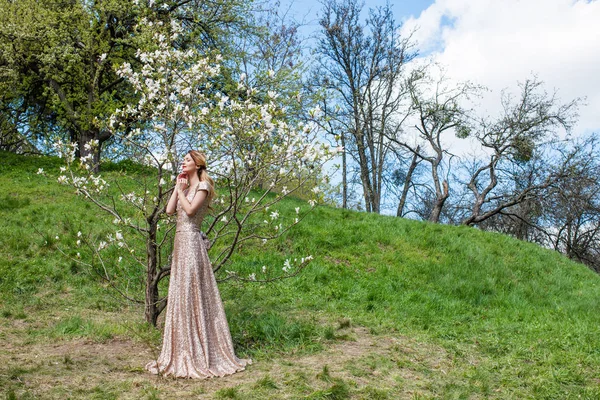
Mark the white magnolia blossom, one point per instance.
(307, 258)
(246, 142)
(92, 144)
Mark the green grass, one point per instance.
(471, 314)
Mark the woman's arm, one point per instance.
(181, 184)
(172, 204)
(191, 208)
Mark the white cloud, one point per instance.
(498, 43)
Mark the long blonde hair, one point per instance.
(200, 161)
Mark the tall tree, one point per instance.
(364, 63)
(57, 58)
(59, 55)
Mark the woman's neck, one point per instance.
(194, 180)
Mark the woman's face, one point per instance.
(188, 165)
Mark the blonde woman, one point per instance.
(197, 341)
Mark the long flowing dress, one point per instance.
(197, 341)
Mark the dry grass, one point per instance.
(36, 366)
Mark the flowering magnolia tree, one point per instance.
(255, 154)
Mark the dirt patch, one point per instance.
(337, 261)
(115, 369)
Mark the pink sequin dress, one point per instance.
(197, 341)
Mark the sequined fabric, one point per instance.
(197, 341)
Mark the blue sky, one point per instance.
(309, 10)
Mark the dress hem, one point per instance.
(151, 368)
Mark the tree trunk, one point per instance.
(344, 173)
(152, 309)
(364, 173)
(475, 212)
(407, 182)
(439, 204)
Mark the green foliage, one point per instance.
(523, 148)
(59, 58)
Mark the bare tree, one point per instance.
(513, 138)
(523, 219)
(438, 110)
(564, 215)
(572, 206)
(364, 64)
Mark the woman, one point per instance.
(197, 342)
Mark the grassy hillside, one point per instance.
(389, 308)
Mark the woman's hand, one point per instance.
(182, 182)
